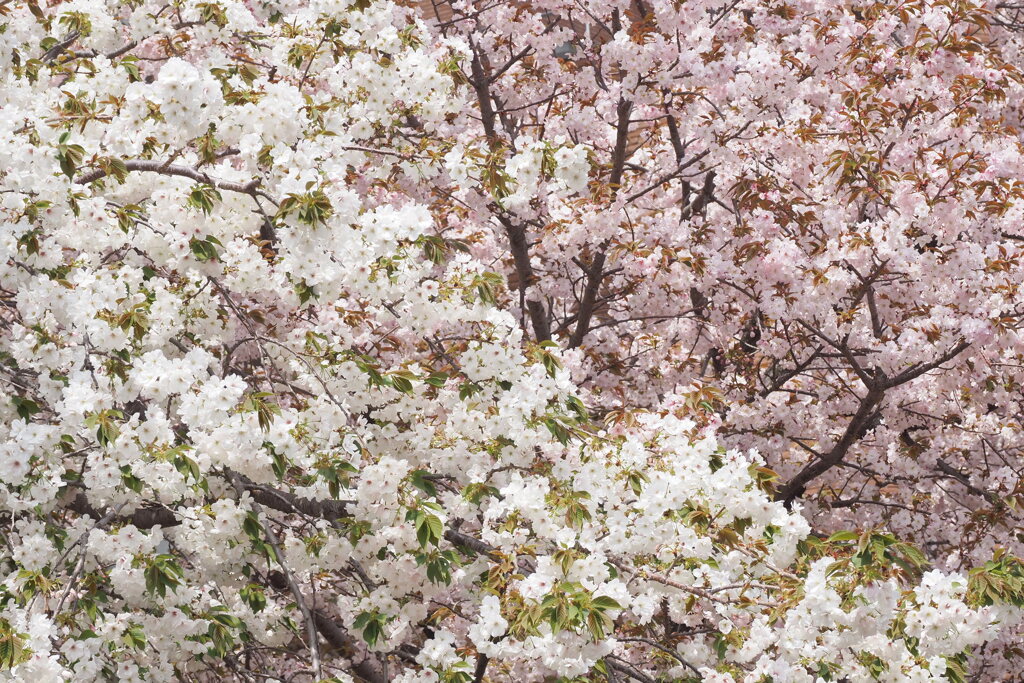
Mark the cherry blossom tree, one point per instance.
(486, 341)
(806, 212)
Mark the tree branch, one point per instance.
(163, 168)
(524, 272)
(481, 667)
(595, 273)
(917, 371)
(369, 669)
(293, 586)
(864, 416)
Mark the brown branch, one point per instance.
(841, 346)
(865, 416)
(293, 585)
(143, 518)
(462, 540)
(917, 371)
(624, 667)
(866, 413)
(781, 380)
(275, 499)
(110, 55)
(163, 168)
(510, 63)
(57, 49)
(282, 501)
(876, 322)
(483, 96)
(623, 110)
(965, 481)
(516, 234)
(673, 134)
(481, 667)
(595, 273)
(369, 669)
(524, 272)
(657, 646)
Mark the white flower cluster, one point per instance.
(568, 166)
(187, 99)
(572, 168)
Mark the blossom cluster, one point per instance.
(274, 409)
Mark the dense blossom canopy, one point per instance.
(534, 340)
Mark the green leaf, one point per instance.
(114, 168)
(468, 389)
(265, 410)
(135, 637)
(429, 528)
(636, 480)
(130, 64)
(550, 361)
(557, 429)
(477, 491)
(305, 292)
(400, 380)
(254, 596)
(438, 565)
(12, 646)
(252, 527)
(436, 379)
(26, 407)
(604, 602)
(204, 249)
(576, 405)
(162, 572)
(69, 156)
(721, 646)
(312, 208)
(203, 197)
(418, 478)
(130, 480)
(278, 462)
(434, 248)
(372, 625)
